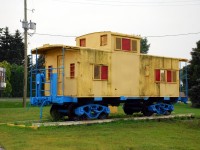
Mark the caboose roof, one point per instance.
(46, 47)
(112, 33)
(180, 59)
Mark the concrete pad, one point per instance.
(69, 123)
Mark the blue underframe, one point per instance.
(69, 99)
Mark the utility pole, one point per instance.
(26, 27)
(25, 54)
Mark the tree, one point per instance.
(17, 49)
(16, 80)
(144, 46)
(5, 42)
(1, 30)
(193, 75)
(11, 47)
(12, 55)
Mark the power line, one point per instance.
(144, 2)
(58, 35)
(150, 36)
(168, 35)
(135, 3)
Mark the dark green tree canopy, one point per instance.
(11, 58)
(11, 47)
(194, 76)
(144, 46)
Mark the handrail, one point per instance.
(35, 70)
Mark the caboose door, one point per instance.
(60, 73)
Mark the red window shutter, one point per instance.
(157, 73)
(169, 76)
(72, 71)
(126, 44)
(82, 42)
(104, 72)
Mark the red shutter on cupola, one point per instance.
(126, 44)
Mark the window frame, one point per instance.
(136, 43)
(131, 48)
(120, 41)
(72, 70)
(100, 75)
(49, 72)
(103, 40)
(165, 76)
(173, 76)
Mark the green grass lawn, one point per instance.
(128, 135)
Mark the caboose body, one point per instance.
(105, 68)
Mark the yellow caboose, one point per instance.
(105, 68)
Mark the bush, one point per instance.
(194, 94)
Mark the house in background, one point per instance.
(2, 78)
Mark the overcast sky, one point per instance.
(139, 17)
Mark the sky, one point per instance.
(172, 27)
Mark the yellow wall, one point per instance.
(125, 74)
(51, 59)
(70, 86)
(93, 41)
(87, 86)
(148, 86)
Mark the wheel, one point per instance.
(146, 112)
(55, 114)
(168, 113)
(75, 118)
(127, 109)
(83, 117)
(103, 116)
(71, 115)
